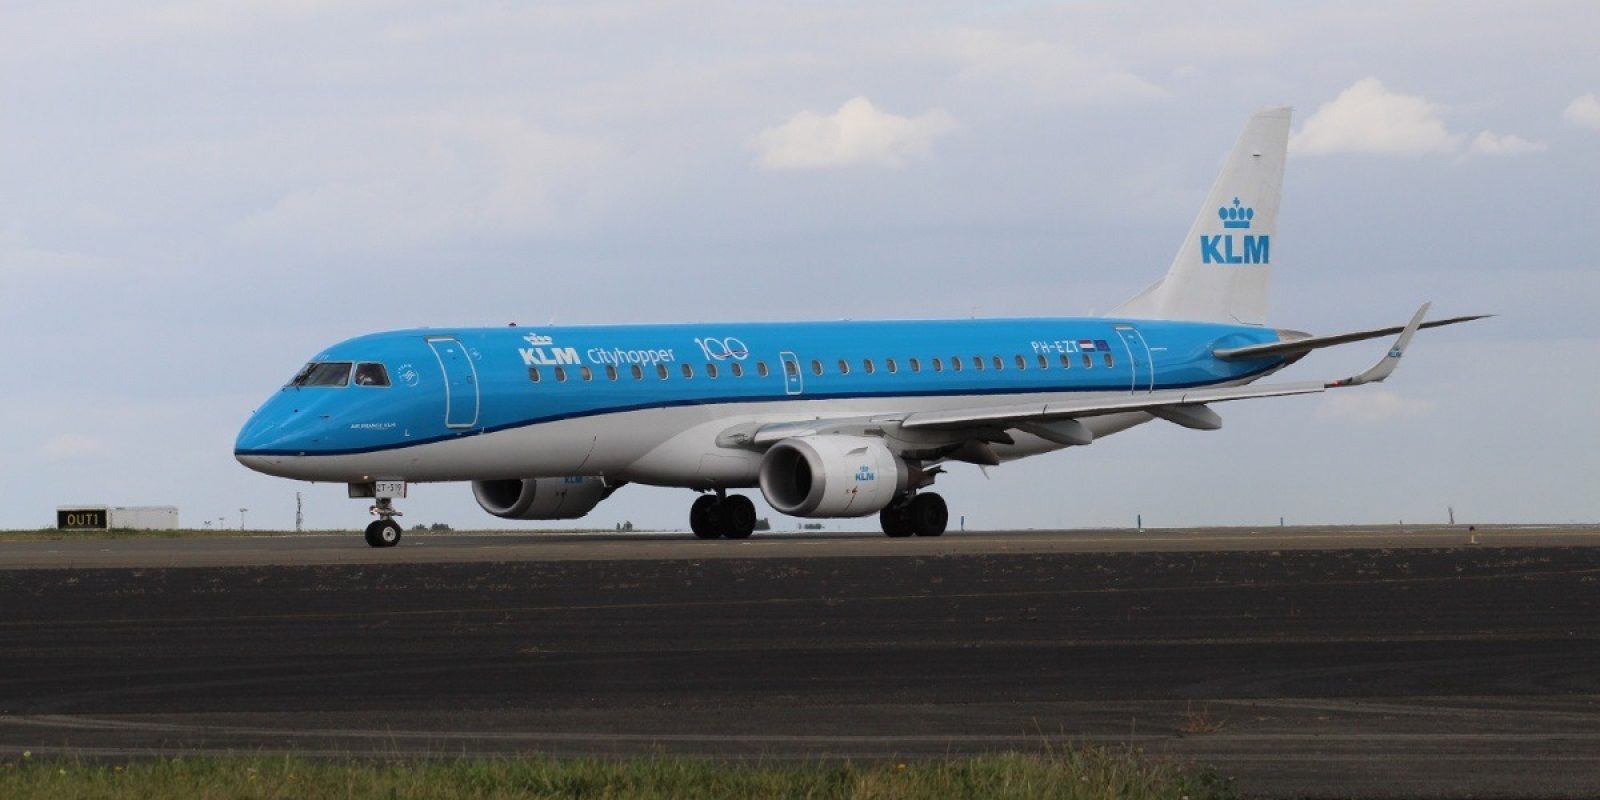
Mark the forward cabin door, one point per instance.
(460, 381)
(1142, 370)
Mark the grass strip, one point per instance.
(1069, 774)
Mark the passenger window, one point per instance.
(761, 369)
(891, 366)
(661, 371)
(1088, 361)
(638, 374)
(688, 370)
(611, 372)
(955, 363)
(866, 366)
(844, 367)
(977, 363)
(938, 366)
(998, 363)
(1110, 362)
(1021, 363)
(561, 375)
(792, 368)
(323, 373)
(1066, 361)
(1044, 363)
(816, 367)
(711, 370)
(533, 374)
(737, 368)
(371, 374)
(916, 365)
(586, 373)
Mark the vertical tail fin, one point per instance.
(1224, 267)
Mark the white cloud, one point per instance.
(858, 133)
(1371, 406)
(1584, 111)
(1488, 143)
(1368, 118)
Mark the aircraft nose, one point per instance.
(278, 426)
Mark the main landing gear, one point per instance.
(722, 515)
(922, 514)
(384, 532)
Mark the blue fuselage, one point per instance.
(450, 384)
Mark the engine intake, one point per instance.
(832, 476)
(541, 498)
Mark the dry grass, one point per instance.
(1085, 773)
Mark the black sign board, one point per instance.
(83, 519)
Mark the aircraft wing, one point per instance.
(1158, 402)
(1053, 419)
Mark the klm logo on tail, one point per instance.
(1222, 249)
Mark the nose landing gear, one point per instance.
(384, 532)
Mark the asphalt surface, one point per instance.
(1322, 666)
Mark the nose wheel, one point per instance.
(718, 516)
(384, 532)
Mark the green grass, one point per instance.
(1082, 773)
(52, 534)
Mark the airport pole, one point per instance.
(1138, 519)
(299, 518)
(241, 518)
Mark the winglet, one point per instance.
(1386, 365)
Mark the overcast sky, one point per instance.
(196, 197)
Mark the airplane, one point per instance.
(826, 419)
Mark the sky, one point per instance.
(195, 197)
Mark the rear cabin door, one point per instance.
(460, 382)
(793, 381)
(1143, 373)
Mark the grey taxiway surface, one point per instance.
(1379, 661)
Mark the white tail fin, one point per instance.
(1224, 267)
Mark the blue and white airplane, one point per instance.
(828, 419)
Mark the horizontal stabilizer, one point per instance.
(1310, 343)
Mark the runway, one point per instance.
(1321, 662)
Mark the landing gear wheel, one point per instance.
(928, 514)
(895, 521)
(703, 517)
(737, 516)
(383, 533)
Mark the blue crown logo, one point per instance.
(1235, 216)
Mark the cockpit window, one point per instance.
(371, 374)
(323, 373)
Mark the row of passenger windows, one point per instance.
(868, 366)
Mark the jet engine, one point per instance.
(541, 498)
(832, 476)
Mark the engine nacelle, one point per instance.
(832, 476)
(541, 498)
